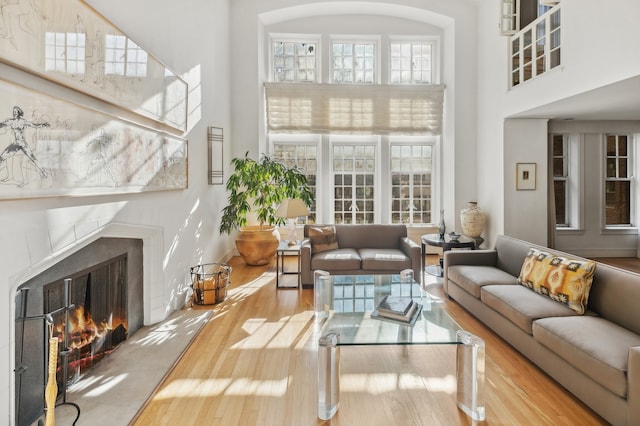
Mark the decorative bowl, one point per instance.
(454, 236)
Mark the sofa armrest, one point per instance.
(633, 383)
(466, 257)
(306, 274)
(413, 251)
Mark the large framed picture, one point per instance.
(526, 176)
(68, 42)
(52, 147)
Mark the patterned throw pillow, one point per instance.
(323, 238)
(562, 279)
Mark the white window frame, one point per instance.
(432, 141)
(369, 140)
(633, 160)
(360, 39)
(434, 41)
(305, 139)
(295, 38)
(575, 183)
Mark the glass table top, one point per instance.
(344, 304)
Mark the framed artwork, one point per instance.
(525, 176)
(68, 42)
(52, 147)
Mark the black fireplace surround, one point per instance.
(118, 258)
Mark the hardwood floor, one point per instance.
(254, 363)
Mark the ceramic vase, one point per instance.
(472, 220)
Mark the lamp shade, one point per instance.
(292, 207)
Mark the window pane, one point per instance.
(618, 205)
(560, 200)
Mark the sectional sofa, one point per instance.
(349, 249)
(594, 354)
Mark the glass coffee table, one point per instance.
(343, 308)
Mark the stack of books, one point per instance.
(400, 309)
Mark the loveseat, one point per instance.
(595, 355)
(349, 249)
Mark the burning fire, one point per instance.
(88, 341)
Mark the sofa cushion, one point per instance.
(597, 347)
(323, 238)
(384, 259)
(520, 305)
(336, 260)
(562, 279)
(473, 277)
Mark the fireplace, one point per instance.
(91, 300)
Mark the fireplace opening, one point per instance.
(91, 301)
(95, 321)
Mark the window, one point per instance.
(618, 181)
(65, 52)
(124, 57)
(560, 149)
(353, 173)
(353, 62)
(294, 61)
(411, 62)
(411, 180)
(304, 155)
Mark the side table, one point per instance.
(283, 250)
(447, 244)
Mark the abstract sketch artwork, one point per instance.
(51, 147)
(68, 42)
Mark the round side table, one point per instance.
(447, 244)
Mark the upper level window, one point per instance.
(411, 63)
(294, 61)
(353, 62)
(618, 180)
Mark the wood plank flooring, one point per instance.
(254, 363)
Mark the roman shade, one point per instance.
(354, 108)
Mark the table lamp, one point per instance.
(291, 209)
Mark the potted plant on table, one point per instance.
(259, 187)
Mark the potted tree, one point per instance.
(259, 187)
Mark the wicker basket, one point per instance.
(210, 282)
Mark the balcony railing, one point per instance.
(536, 48)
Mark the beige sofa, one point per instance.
(362, 249)
(596, 355)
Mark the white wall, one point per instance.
(193, 41)
(597, 50)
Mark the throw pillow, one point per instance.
(562, 279)
(323, 238)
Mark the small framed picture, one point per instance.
(525, 176)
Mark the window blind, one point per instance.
(354, 109)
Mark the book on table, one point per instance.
(395, 305)
(402, 310)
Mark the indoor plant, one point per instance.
(259, 187)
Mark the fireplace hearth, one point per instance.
(91, 301)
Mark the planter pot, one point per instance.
(258, 246)
(472, 220)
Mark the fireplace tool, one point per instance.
(50, 394)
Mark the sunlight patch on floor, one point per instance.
(196, 388)
(389, 382)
